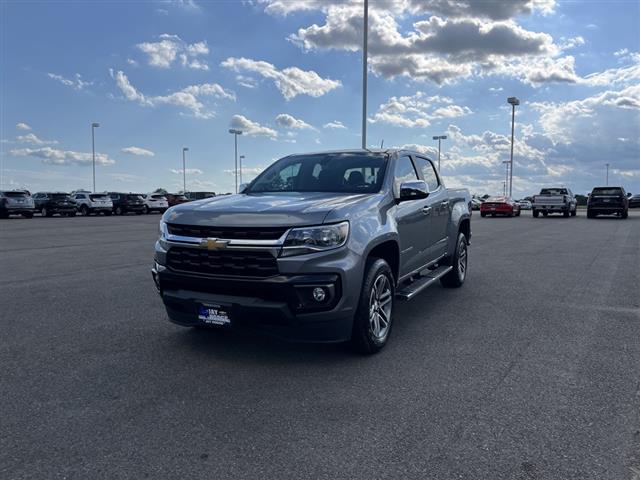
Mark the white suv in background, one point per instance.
(88, 203)
(155, 202)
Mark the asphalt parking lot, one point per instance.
(530, 371)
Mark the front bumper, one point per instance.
(278, 306)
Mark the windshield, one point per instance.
(100, 196)
(158, 197)
(327, 172)
(15, 194)
(59, 196)
(553, 191)
(607, 191)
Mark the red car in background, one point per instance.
(500, 206)
(176, 199)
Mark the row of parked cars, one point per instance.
(561, 200)
(47, 204)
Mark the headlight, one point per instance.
(313, 239)
(162, 229)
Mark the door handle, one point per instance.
(426, 210)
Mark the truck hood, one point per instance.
(262, 209)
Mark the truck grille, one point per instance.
(231, 233)
(234, 263)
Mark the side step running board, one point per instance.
(422, 282)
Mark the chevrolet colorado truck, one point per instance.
(317, 248)
(554, 200)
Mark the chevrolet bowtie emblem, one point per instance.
(213, 243)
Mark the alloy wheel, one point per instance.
(380, 304)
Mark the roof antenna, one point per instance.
(381, 144)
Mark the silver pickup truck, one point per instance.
(554, 200)
(317, 248)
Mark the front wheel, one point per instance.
(373, 319)
(455, 278)
(590, 214)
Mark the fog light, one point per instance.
(319, 294)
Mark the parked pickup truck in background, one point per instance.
(317, 248)
(554, 200)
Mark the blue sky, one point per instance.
(161, 75)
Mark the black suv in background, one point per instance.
(124, 203)
(50, 203)
(608, 200)
(634, 201)
(17, 202)
(199, 195)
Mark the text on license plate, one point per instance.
(214, 314)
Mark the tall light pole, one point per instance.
(94, 125)
(364, 73)
(439, 138)
(184, 170)
(235, 133)
(607, 174)
(513, 101)
(507, 163)
(241, 158)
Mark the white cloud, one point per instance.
(285, 120)
(76, 83)
(188, 98)
(246, 82)
(22, 126)
(290, 81)
(251, 128)
(336, 125)
(189, 171)
(33, 138)
(417, 110)
(142, 152)
(62, 157)
(171, 48)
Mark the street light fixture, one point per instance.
(235, 133)
(94, 125)
(439, 138)
(184, 171)
(513, 101)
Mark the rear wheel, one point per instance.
(84, 210)
(45, 212)
(544, 214)
(119, 211)
(482, 214)
(455, 278)
(574, 212)
(590, 214)
(518, 214)
(535, 214)
(71, 214)
(146, 210)
(4, 214)
(28, 215)
(373, 319)
(625, 214)
(108, 213)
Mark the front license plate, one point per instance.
(214, 314)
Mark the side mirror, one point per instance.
(242, 187)
(413, 190)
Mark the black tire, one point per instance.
(518, 214)
(46, 213)
(590, 214)
(482, 214)
(146, 210)
(84, 210)
(574, 212)
(108, 213)
(535, 214)
(363, 338)
(4, 214)
(28, 215)
(119, 211)
(71, 214)
(565, 213)
(625, 214)
(456, 277)
(544, 214)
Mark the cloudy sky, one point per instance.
(160, 75)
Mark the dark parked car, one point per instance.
(500, 206)
(176, 199)
(50, 203)
(16, 202)
(124, 203)
(199, 195)
(634, 201)
(607, 201)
